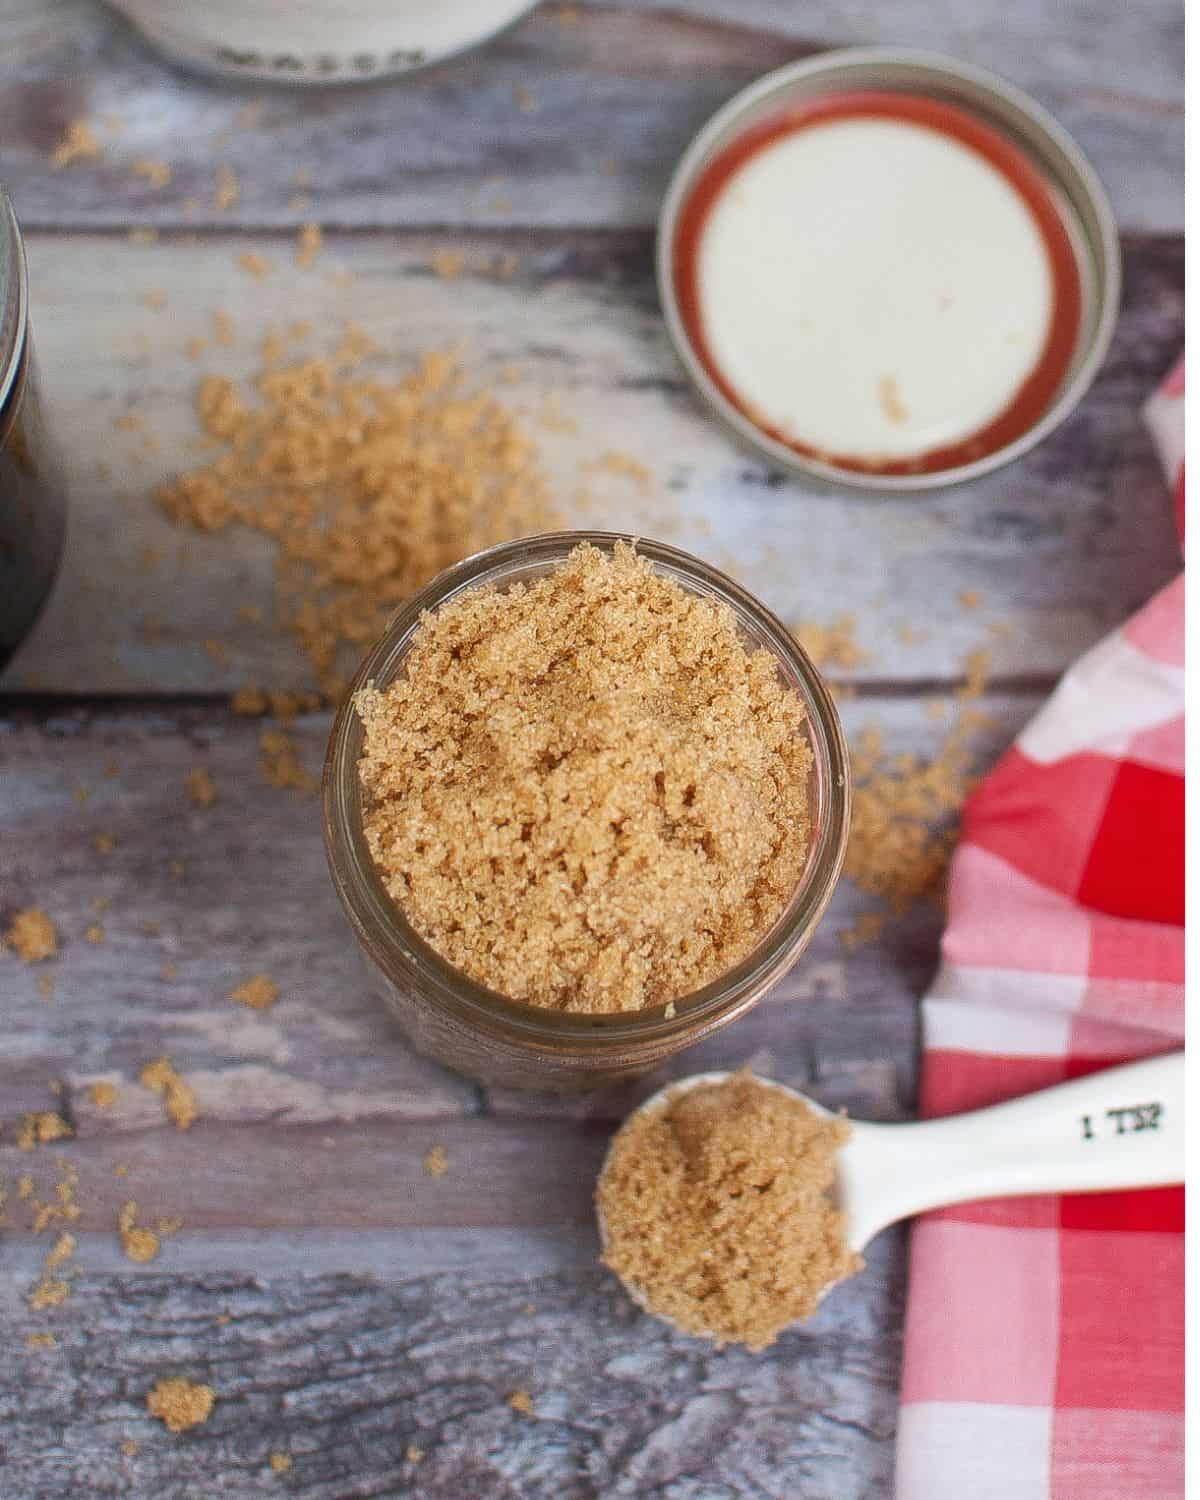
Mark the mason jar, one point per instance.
(33, 506)
(318, 41)
(449, 1017)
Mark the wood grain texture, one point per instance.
(612, 101)
(1059, 547)
(344, 1372)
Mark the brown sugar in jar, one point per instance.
(584, 806)
(584, 792)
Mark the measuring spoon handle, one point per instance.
(1118, 1128)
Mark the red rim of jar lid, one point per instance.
(1052, 157)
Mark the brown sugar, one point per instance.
(79, 143)
(179, 1101)
(521, 1402)
(254, 264)
(156, 173)
(716, 1210)
(308, 245)
(40, 1128)
(280, 1462)
(200, 787)
(832, 645)
(180, 1404)
(367, 487)
(137, 1243)
(259, 992)
(102, 1095)
(31, 935)
(585, 793)
(436, 1162)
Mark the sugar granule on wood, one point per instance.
(308, 245)
(521, 1402)
(280, 766)
(137, 1243)
(279, 1463)
(78, 143)
(228, 191)
(717, 1213)
(259, 992)
(447, 265)
(200, 787)
(367, 486)
(179, 1100)
(39, 1128)
(832, 645)
(254, 264)
(31, 935)
(104, 844)
(156, 173)
(103, 1095)
(585, 792)
(413, 1454)
(903, 818)
(180, 1404)
(93, 933)
(436, 1162)
(129, 1447)
(39, 1341)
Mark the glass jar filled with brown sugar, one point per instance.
(584, 805)
(32, 494)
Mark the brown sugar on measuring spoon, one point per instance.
(585, 792)
(716, 1209)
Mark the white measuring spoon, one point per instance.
(1118, 1128)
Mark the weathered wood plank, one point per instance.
(251, 893)
(1058, 547)
(344, 1372)
(607, 105)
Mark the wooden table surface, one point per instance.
(343, 1304)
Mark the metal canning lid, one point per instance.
(14, 298)
(1066, 173)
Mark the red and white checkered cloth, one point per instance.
(1043, 1353)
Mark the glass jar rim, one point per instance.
(404, 956)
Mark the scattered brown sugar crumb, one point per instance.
(889, 399)
(367, 487)
(102, 1095)
(436, 1162)
(31, 935)
(200, 787)
(62, 1250)
(308, 245)
(24, 1186)
(180, 1404)
(222, 329)
(521, 1402)
(523, 99)
(39, 1341)
(137, 1244)
(413, 1454)
(259, 992)
(50, 1291)
(832, 645)
(228, 190)
(716, 1210)
(280, 1462)
(254, 264)
(218, 650)
(970, 599)
(78, 144)
(41, 1127)
(195, 346)
(45, 986)
(448, 265)
(129, 1448)
(625, 466)
(903, 818)
(156, 173)
(179, 1100)
(143, 236)
(280, 766)
(597, 770)
(249, 700)
(93, 933)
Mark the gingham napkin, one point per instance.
(1043, 1354)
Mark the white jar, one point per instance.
(318, 41)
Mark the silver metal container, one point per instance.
(1074, 186)
(32, 495)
